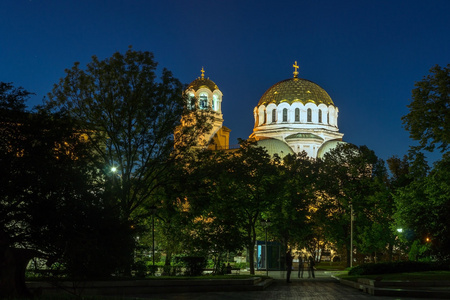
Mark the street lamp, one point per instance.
(153, 211)
(351, 235)
(266, 223)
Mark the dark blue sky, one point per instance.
(366, 54)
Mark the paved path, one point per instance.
(321, 288)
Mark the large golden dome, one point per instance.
(293, 90)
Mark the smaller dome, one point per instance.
(274, 146)
(203, 83)
(303, 136)
(328, 146)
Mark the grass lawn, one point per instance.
(416, 276)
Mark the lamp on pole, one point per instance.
(266, 223)
(153, 211)
(351, 235)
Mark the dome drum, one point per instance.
(296, 113)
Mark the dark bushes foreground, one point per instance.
(399, 267)
(193, 265)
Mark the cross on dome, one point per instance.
(295, 69)
(203, 73)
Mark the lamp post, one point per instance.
(351, 235)
(153, 211)
(266, 223)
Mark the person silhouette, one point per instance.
(311, 265)
(289, 259)
(300, 266)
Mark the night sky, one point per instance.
(366, 54)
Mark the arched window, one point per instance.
(297, 115)
(328, 118)
(265, 117)
(309, 115)
(274, 115)
(215, 103)
(203, 103)
(191, 101)
(320, 116)
(285, 114)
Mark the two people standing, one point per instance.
(301, 261)
(310, 264)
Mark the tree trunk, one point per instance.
(13, 263)
(390, 250)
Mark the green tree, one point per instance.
(349, 177)
(53, 203)
(134, 119)
(423, 206)
(428, 120)
(291, 208)
(252, 188)
(240, 189)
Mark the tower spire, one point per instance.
(295, 69)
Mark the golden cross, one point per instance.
(203, 73)
(295, 67)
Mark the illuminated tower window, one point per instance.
(297, 115)
(274, 115)
(309, 115)
(215, 103)
(203, 101)
(285, 115)
(191, 101)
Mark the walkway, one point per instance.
(323, 287)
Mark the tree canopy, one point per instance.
(428, 120)
(131, 115)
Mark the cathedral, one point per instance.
(292, 116)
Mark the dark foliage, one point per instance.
(193, 265)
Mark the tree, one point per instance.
(348, 182)
(252, 187)
(290, 212)
(132, 117)
(238, 191)
(423, 206)
(53, 203)
(428, 120)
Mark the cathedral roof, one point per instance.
(295, 90)
(328, 146)
(203, 82)
(303, 136)
(275, 146)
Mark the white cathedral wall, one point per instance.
(263, 114)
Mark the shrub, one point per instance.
(193, 265)
(398, 267)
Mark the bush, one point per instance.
(193, 265)
(399, 267)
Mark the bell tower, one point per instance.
(209, 98)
